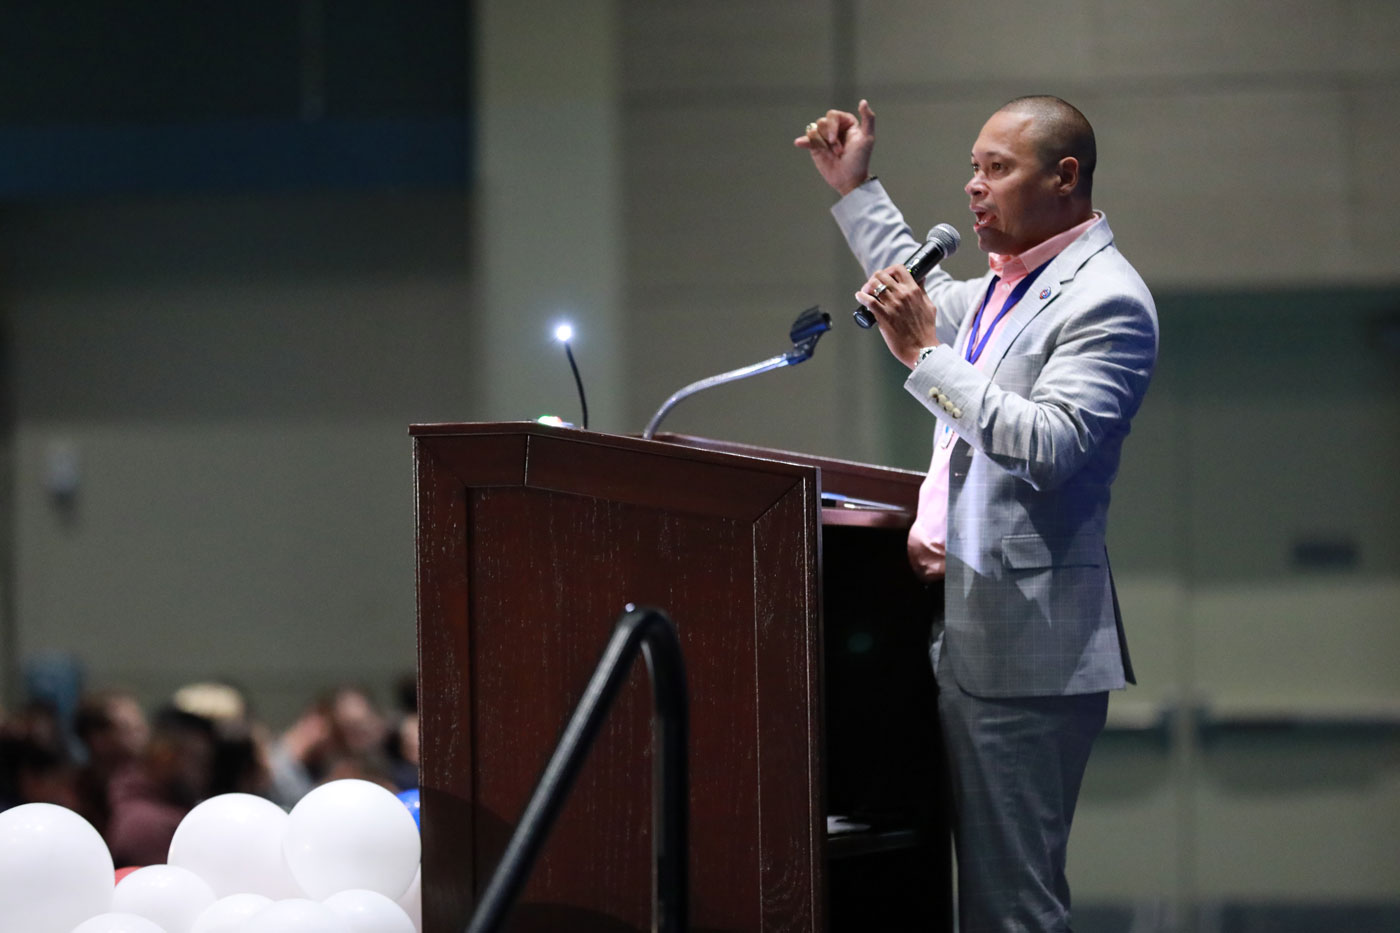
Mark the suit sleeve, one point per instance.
(1083, 392)
(878, 236)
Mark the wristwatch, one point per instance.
(924, 354)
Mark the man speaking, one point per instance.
(1032, 373)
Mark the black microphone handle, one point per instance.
(928, 255)
(921, 263)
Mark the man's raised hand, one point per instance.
(840, 144)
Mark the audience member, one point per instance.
(112, 727)
(149, 796)
(296, 758)
(240, 761)
(35, 765)
(359, 738)
(113, 731)
(342, 735)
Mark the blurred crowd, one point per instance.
(134, 774)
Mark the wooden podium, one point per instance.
(805, 643)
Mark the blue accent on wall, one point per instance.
(229, 156)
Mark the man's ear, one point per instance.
(1067, 175)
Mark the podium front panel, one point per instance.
(531, 541)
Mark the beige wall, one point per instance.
(235, 375)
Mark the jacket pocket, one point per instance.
(1032, 552)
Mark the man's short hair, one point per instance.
(1061, 131)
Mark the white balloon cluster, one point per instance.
(345, 860)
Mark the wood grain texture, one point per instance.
(444, 667)
(519, 588)
(787, 679)
(531, 540)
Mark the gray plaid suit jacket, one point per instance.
(1030, 603)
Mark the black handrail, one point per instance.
(651, 631)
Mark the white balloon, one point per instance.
(369, 912)
(352, 834)
(227, 914)
(117, 923)
(294, 915)
(234, 842)
(55, 870)
(412, 900)
(173, 897)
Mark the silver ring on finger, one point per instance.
(811, 127)
(879, 290)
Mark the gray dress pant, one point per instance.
(1015, 769)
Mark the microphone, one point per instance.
(942, 241)
(804, 334)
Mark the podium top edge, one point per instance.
(695, 442)
(893, 485)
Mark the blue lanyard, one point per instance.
(974, 348)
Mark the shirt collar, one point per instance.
(1014, 268)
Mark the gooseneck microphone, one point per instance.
(804, 334)
(942, 241)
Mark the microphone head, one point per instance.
(941, 243)
(946, 235)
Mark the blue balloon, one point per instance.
(410, 800)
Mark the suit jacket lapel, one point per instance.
(1048, 285)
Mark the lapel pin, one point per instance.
(1045, 293)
